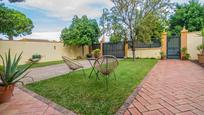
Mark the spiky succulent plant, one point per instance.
(11, 72)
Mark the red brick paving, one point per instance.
(172, 87)
(24, 104)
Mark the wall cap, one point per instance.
(184, 30)
(164, 33)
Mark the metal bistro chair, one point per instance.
(107, 65)
(73, 65)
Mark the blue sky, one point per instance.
(51, 16)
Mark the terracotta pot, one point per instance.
(183, 58)
(6, 92)
(163, 58)
(201, 59)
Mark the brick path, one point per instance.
(172, 87)
(24, 104)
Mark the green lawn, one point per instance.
(89, 96)
(0, 67)
(41, 64)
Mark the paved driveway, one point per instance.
(172, 87)
(43, 73)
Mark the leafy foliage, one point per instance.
(185, 54)
(82, 31)
(118, 31)
(111, 26)
(96, 53)
(202, 34)
(14, 23)
(16, 1)
(105, 21)
(150, 28)
(200, 48)
(12, 1)
(190, 15)
(11, 73)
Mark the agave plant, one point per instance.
(11, 72)
(200, 48)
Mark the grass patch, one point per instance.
(44, 64)
(41, 64)
(89, 96)
(1, 68)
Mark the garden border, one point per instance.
(197, 63)
(131, 98)
(47, 101)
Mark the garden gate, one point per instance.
(116, 49)
(173, 47)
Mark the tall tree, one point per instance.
(190, 15)
(14, 23)
(134, 15)
(105, 22)
(111, 26)
(14, 0)
(81, 32)
(118, 32)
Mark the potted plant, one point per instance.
(35, 58)
(89, 55)
(200, 48)
(184, 54)
(97, 53)
(10, 75)
(163, 56)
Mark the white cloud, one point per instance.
(38, 35)
(66, 9)
(43, 35)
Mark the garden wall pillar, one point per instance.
(164, 43)
(184, 34)
(101, 45)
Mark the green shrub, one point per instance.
(38, 56)
(185, 54)
(89, 55)
(11, 73)
(162, 54)
(96, 53)
(200, 48)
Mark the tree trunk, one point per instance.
(203, 44)
(82, 50)
(10, 37)
(90, 48)
(133, 49)
(133, 42)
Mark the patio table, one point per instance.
(92, 62)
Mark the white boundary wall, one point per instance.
(50, 51)
(193, 40)
(146, 53)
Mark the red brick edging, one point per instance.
(48, 102)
